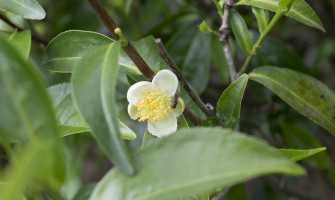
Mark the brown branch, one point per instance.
(224, 36)
(275, 183)
(207, 109)
(133, 54)
(129, 49)
(34, 37)
(221, 195)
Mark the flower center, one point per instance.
(154, 106)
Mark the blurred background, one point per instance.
(199, 55)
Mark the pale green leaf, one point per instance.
(22, 42)
(186, 163)
(262, 17)
(205, 28)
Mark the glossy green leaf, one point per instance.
(298, 154)
(66, 49)
(22, 42)
(307, 95)
(240, 31)
(298, 137)
(262, 17)
(229, 105)
(89, 92)
(299, 11)
(28, 9)
(219, 59)
(186, 163)
(196, 63)
(68, 117)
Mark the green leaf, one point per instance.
(299, 11)
(196, 63)
(229, 104)
(180, 43)
(307, 95)
(26, 111)
(66, 49)
(94, 75)
(147, 138)
(84, 192)
(33, 160)
(237, 192)
(68, 117)
(262, 17)
(219, 59)
(297, 154)
(241, 32)
(27, 115)
(186, 163)
(148, 49)
(298, 137)
(22, 42)
(205, 28)
(28, 9)
(285, 4)
(276, 53)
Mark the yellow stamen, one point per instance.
(154, 106)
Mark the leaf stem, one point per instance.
(261, 38)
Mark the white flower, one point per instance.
(152, 101)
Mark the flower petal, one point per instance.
(136, 91)
(164, 127)
(167, 81)
(133, 111)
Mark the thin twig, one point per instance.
(224, 30)
(133, 54)
(129, 49)
(208, 110)
(221, 195)
(34, 37)
(276, 184)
